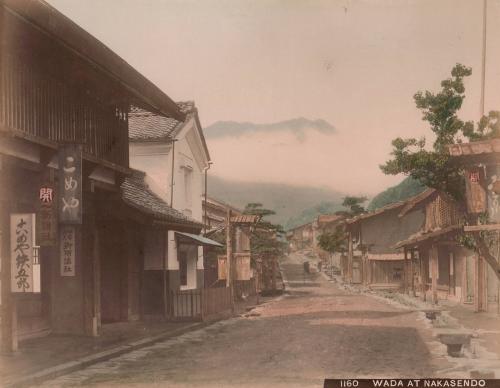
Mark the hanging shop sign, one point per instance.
(21, 251)
(46, 221)
(475, 190)
(243, 270)
(67, 250)
(70, 184)
(221, 267)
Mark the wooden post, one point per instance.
(434, 271)
(273, 278)
(349, 258)
(165, 298)
(229, 250)
(423, 276)
(96, 322)
(9, 311)
(405, 271)
(412, 274)
(479, 289)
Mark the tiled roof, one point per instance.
(475, 148)
(136, 193)
(327, 218)
(374, 213)
(421, 236)
(144, 125)
(416, 200)
(245, 219)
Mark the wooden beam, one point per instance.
(479, 228)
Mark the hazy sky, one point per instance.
(353, 63)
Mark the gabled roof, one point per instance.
(245, 219)
(217, 203)
(62, 29)
(377, 212)
(328, 218)
(417, 200)
(147, 126)
(475, 147)
(420, 237)
(137, 194)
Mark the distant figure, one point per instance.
(320, 264)
(306, 267)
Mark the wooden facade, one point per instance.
(59, 86)
(372, 259)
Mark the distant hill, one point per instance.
(292, 204)
(297, 126)
(309, 214)
(406, 189)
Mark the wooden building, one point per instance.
(481, 160)
(438, 266)
(64, 105)
(215, 213)
(372, 258)
(301, 237)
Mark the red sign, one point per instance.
(474, 177)
(46, 195)
(46, 221)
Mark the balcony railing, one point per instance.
(43, 107)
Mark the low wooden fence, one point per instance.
(244, 288)
(198, 304)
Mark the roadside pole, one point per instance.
(229, 256)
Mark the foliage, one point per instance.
(266, 238)
(409, 187)
(353, 206)
(434, 167)
(334, 242)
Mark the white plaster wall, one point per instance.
(156, 160)
(172, 262)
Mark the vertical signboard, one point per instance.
(70, 184)
(67, 247)
(493, 179)
(46, 222)
(21, 251)
(243, 271)
(475, 190)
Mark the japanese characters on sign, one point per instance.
(46, 223)
(475, 190)
(67, 247)
(21, 250)
(70, 184)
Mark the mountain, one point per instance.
(406, 189)
(297, 126)
(309, 214)
(291, 203)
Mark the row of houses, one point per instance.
(421, 246)
(104, 213)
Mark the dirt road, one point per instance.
(314, 331)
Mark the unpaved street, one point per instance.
(314, 331)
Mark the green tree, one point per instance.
(334, 242)
(354, 205)
(266, 237)
(433, 166)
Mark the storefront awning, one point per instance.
(194, 239)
